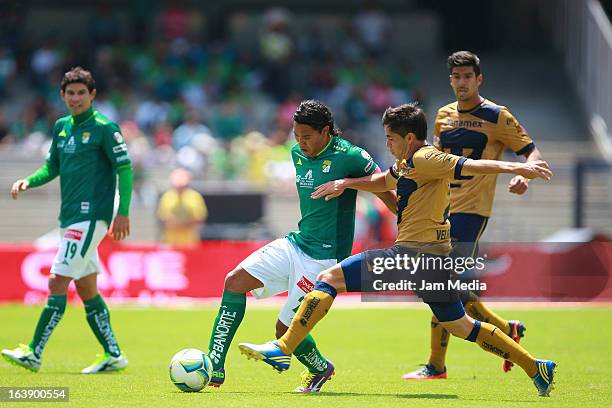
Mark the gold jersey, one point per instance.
(423, 195)
(483, 132)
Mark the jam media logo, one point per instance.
(306, 285)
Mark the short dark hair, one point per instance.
(316, 115)
(406, 118)
(463, 59)
(78, 75)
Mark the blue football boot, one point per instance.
(544, 380)
(269, 353)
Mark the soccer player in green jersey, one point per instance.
(87, 153)
(291, 264)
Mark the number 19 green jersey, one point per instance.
(327, 227)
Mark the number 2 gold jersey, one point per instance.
(483, 132)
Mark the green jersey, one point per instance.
(86, 151)
(327, 227)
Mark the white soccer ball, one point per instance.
(190, 370)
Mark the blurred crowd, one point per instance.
(221, 108)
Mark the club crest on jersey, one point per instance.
(326, 166)
(85, 137)
(118, 137)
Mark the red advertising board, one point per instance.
(152, 272)
(144, 271)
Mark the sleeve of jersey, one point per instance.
(436, 137)
(115, 147)
(198, 206)
(116, 150)
(163, 208)
(125, 189)
(42, 175)
(436, 165)
(362, 163)
(513, 135)
(50, 169)
(391, 177)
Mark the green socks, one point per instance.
(98, 318)
(47, 322)
(231, 312)
(309, 355)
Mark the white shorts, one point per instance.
(283, 267)
(77, 255)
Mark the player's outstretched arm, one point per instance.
(42, 175)
(529, 170)
(374, 183)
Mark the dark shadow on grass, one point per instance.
(365, 394)
(501, 400)
(100, 375)
(353, 394)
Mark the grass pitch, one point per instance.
(371, 349)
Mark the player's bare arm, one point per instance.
(529, 170)
(374, 183)
(519, 184)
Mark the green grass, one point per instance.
(371, 348)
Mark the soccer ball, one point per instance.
(190, 370)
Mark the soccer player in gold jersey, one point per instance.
(476, 128)
(421, 176)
